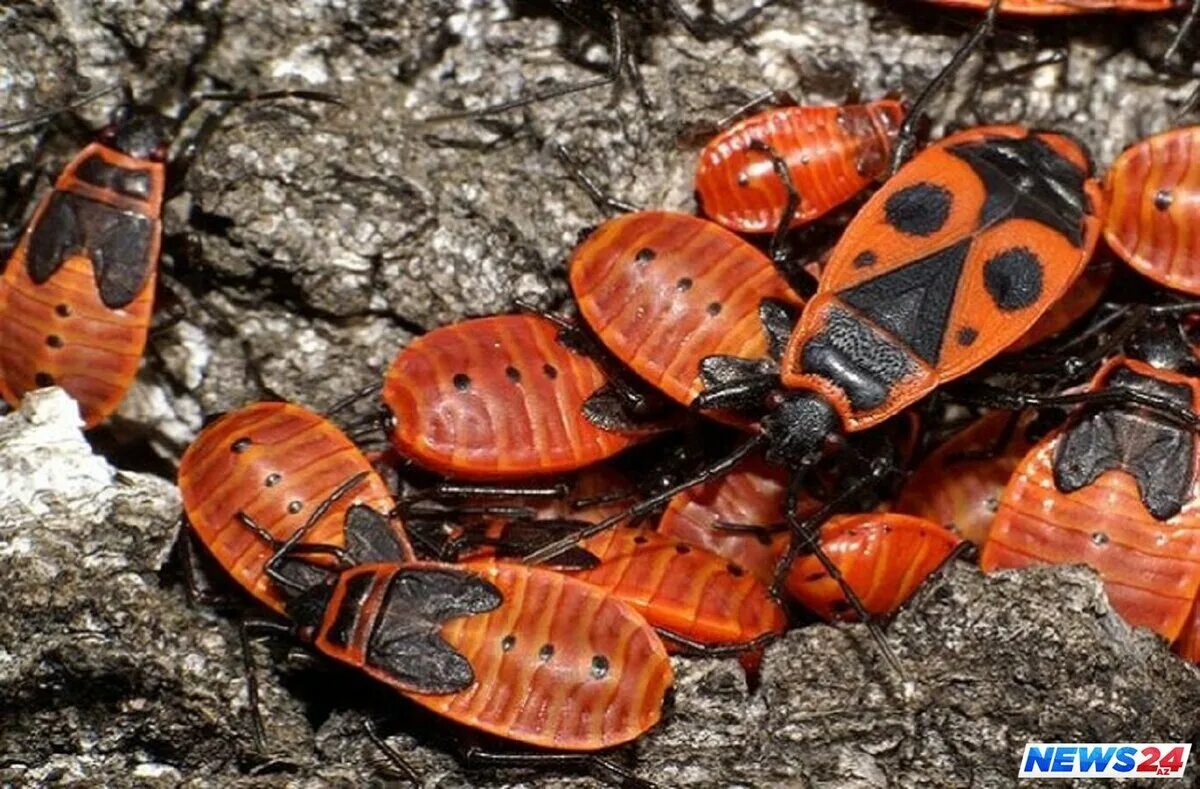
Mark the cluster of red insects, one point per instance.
(547, 619)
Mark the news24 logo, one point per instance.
(1104, 760)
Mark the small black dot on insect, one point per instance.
(680, 548)
(1163, 199)
(462, 382)
(735, 570)
(272, 479)
(546, 652)
(513, 374)
(599, 667)
(640, 540)
(1099, 538)
(43, 379)
(864, 259)
(713, 309)
(966, 335)
(63, 310)
(241, 445)
(684, 284)
(645, 255)
(507, 643)
(550, 370)
(812, 578)
(763, 538)
(743, 178)
(54, 341)
(295, 507)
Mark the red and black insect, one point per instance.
(504, 397)
(831, 153)
(884, 557)
(523, 653)
(1153, 194)
(77, 291)
(1118, 489)
(280, 468)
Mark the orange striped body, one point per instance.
(752, 494)
(275, 462)
(832, 154)
(1150, 568)
(1063, 7)
(497, 398)
(885, 557)
(1153, 190)
(963, 494)
(557, 664)
(60, 331)
(682, 589)
(664, 290)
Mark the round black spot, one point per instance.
(812, 578)
(63, 310)
(839, 607)
(1163, 199)
(295, 507)
(44, 379)
(735, 570)
(241, 445)
(272, 479)
(640, 540)
(967, 335)
(763, 538)
(1099, 538)
(507, 643)
(713, 309)
(54, 341)
(645, 255)
(1013, 278)
(513, 374)
(743, 178)
(550, 370)
(680, 548)
(920, 209)
(462, 382)
(599, 667)
(684, 284)
(546, 652)
(864, 259)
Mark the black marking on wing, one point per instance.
(406, 642)
(117, 242)
(913, 302)
(134, 183)
(1027, 179)
(369, 537)
(1157, 454)
(357, 590)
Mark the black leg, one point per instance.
(616, 65)
(199, 591)
(402, 768)
(1185, 30)
(906, 140)
(993, 397)
(697, 649)
(476, 758)
(779, 249)
(648, 505)
(602, 199)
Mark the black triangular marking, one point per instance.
(369, 537)
(1027, 179)
(913, 302)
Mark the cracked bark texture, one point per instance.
(313, 241)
